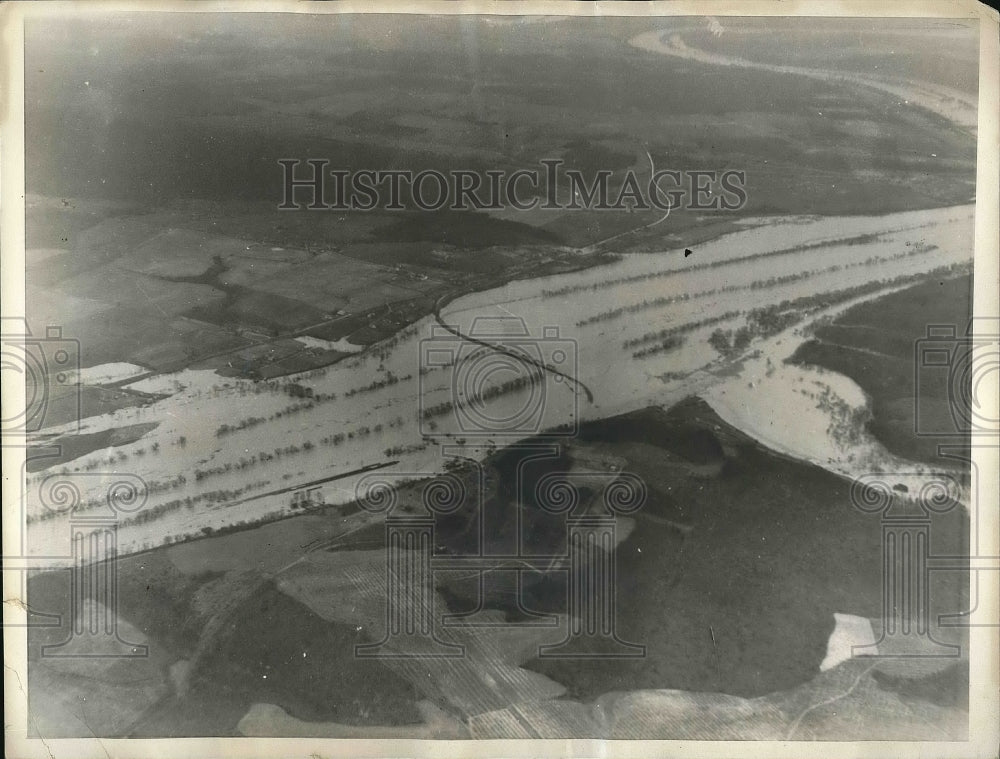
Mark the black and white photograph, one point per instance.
(561, 375)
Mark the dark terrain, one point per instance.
(747, 555)
(875, 344)
(129, 145)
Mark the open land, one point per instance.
(128, 268)
(271, 615)
(277, 356)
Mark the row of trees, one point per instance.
(770, 320)
(652, 337)
(247, 463)
(384, 349)
(334, 440)
(605, 283)
(212, 496)
(399, 450)
(244, 424)
(297, 390)
(389, 380)
(671, 343)
(495, 391)
(758, 284)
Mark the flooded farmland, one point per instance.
(599, 312)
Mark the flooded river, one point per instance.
(377, 406)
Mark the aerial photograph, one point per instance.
(471, 377)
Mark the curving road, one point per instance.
(500, 348)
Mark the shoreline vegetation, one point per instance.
(875, 347)
(730, 344)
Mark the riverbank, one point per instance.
(228, 439)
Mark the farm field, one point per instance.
(301, 438)
(128, 265)
(235, 626)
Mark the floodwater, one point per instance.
(567, 322)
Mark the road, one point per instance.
(500, 348)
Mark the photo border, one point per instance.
(984, 641)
